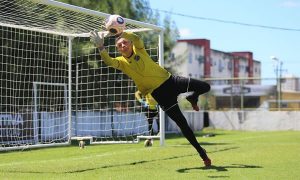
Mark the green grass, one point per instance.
(235, 155)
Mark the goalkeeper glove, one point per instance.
(144, 103)
(97, 39)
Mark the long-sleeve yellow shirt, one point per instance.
(146, 74)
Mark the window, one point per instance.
(229, 65)
(220, 67)
(200, 59)
(190, 58)
(172, 56)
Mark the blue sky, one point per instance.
(263, 42)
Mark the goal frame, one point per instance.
(70, 36)
(35, 98)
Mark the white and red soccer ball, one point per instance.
(148, 142)
(115, 24)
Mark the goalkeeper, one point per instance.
(149, 77)
(150, 107)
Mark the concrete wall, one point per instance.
(255, 120)
(100, 123)
(241, 120)
(194, 119)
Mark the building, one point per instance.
(200, 61)
(234, 76)
(290, 83)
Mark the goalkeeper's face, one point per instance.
(124, 46)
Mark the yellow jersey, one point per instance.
(146, 74)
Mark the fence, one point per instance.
(250, 94)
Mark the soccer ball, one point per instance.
(148, 143)
(115, 24)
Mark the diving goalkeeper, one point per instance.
(149, 77)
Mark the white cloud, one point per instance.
(185, 33)
(290, 4)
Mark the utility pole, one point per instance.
(278, 70)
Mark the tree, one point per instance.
(133, 9)
(171, 35)
(138, 10)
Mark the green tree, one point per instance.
(171, 35)
(133, 9)
(139, 10)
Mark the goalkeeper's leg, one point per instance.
(150, 114)
(175, 114)
(150, 126)
(158, 126)
(195, 86)
(166, 96)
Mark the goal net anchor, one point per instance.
(77, 140)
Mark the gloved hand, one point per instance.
(97, 39)
(143, 103)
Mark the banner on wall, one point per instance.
(15, 128)
(246, 90)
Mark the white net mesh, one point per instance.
(105, 104)
(42, 15)
(44, 49)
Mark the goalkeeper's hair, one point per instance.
(117, 38)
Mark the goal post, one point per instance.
(105, 104)
(53, 83)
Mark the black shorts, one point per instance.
(166, 94)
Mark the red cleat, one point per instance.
(207, 162)
(193, 103)
(195, 107)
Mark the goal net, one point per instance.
(54, 85)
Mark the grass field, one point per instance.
(234, 154)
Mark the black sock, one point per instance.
(176, 115)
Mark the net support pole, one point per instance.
(35, 114)
(161, 112)
(70, 87)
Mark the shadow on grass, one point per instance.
(197, 134)
(224, 149)
(130, 164)
(201, 143)
(101, 167)
(218, 168)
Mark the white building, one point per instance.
(290, 83)
(191, 58)
(198, 60)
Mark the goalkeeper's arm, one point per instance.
(138, 96)
(136, 40)
(98, 40)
